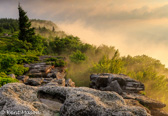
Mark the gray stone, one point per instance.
(69, 83)
(126, 83)
(113, 86)
(20, 97)
(158, 112)
(57, 82)
(150, 103)
(58, 75)
(83, 101)
(23, 78)
(34, 81)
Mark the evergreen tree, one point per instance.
(1, 30)
(53, 29)
(26, 32)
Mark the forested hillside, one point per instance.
(45, 28)
(82, 58)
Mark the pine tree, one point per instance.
(53, 29)
(26, 32)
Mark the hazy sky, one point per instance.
(134, 27)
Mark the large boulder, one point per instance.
(83, 101)
(20, 99)
(126, 83)
(98, 81)
(113, 86)
(68, 101)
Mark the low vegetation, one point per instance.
(4, 79)
(57, 62)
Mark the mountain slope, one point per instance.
(42, 27)
(47, 28)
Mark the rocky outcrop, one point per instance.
(47, 100)
(89, 102)
(39, 70)
(105, 81)
(128, 88)
(19, 99)
(41, 73)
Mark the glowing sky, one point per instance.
(134, 27)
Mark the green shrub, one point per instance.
(51, 59)
(2, 74)
(18, 46)
(4, 81)
(60, 63)
(18, 70)
(27, 59)
(56, 62)
(7, 62)
(106, 65)
(77, 57)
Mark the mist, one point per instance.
(129, 40)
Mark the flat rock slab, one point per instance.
(84, 101)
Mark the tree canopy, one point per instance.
(26, 32)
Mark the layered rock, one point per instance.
(41, 73)
(23, 78)
(39, 70)
(128, 88)
(105, 81)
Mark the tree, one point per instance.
(53, 29)
(106, 65)
(1, 30)
(26, 32)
